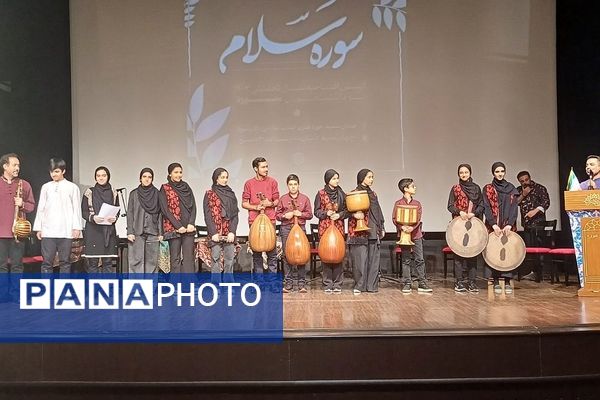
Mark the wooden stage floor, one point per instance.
(532, 306)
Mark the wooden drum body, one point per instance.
(466, 238)
(504, 253)
(406, 215)
(358, 201)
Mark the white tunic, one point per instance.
(59, 210)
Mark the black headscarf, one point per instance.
(102, 193)
(229, 202)
(503, 186)
(506, 192)
(148, 195)
(470, 188)
(183, 190)
(335, 194)
(374, 207)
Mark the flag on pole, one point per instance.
(573, 182)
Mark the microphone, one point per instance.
(591, 174)
(120, 189)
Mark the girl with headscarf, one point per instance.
(364, 246)
(465, 201)
(500, 201)
(100, 235)
(330, 208)
(293, 205)
(178, 208)
(144, 227)
(221, 216)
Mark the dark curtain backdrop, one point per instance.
(35, 85)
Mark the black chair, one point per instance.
(314, 249)
(542, 237)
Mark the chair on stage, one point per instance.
(544, 236)
(203, 255)
(563, 256)
(314, 249)
(447, 256)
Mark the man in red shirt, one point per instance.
(10, 184)
(261, 184)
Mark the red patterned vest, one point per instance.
(461, 201)
(492, 195)
(326, 205)
(173, 204)
(214, 204)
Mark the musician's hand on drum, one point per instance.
(470, 215)
(98, 219)
(409, 229)
(182, 230)
(289, 215)
(497, 230)
(230, 237)
(131, 238)
(19, 201)
(359, 215)
(507, 229)
(297, 213)
(216, 237)
(335, 216)
(190, 228)
(464, 216)
(39, 235)
(76, 233)
(330, 213)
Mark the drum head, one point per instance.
(504, 253)
(466, 238)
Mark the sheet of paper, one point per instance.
(108, 211)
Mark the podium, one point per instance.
(583, 208)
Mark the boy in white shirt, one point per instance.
(58, 218)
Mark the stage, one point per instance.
(541, 339)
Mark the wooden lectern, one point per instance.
(588, 200)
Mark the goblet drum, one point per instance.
(406, 215)
(358, 201)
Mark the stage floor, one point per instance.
(532, 307)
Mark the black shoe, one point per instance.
(424, 288)
(407, 288)
(472, 288)
(459, 287)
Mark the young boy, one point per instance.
(285, 213)
(58, 218)
(408, 188)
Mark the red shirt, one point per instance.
(8, 191)
(285, 205)
(268, 187)
(417, 233)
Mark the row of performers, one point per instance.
(170, 213)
